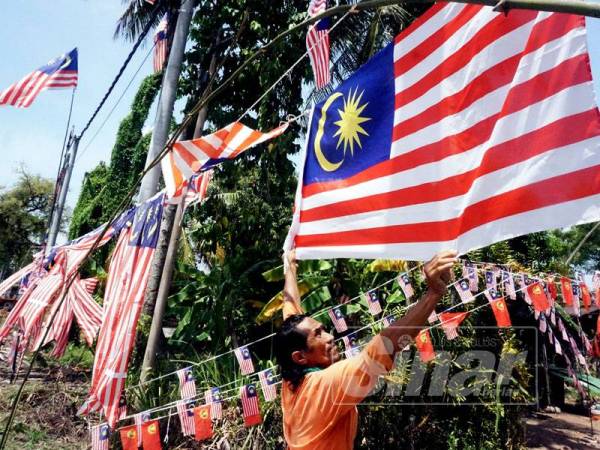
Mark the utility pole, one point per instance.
(64, 189)
(165, 272)
(160, 134)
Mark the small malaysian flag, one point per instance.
(509, 285)
(185, 411)
(543, 325)
(557, 346)
(267, 383)
(551, 288)
(433, 317)
(60, 73)
(373, 302)
(563, 331)
(187, 383)
(388, 320)
(250, 406)
(317, 44)
(122, 406)
(527, 279)
(245, 360)
(464, 291)
(161, 44)
(212, 397)
(490, 279)
(100, 434)
(139, 420)
(470, 273)
(404, 283)
(552, 317)
(337, 317)
(351, 345)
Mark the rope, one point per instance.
(116, 104)
(140, 38)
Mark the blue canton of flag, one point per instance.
(146, 224)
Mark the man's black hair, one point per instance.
(287, 340)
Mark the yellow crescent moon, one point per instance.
(325, 164)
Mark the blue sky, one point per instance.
(35, 31)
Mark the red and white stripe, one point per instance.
(187, 384)
(337, 317)
(249, 401)
(16, 277)
(87, 312)
(373, 302)
(317, 45)
(190, 157)
(197, 188)
(216, 409)
(125, 286)
(267, 384)
(496, 134)
(161, 44)
(186, 417)
(22, 93)
(99, 436)
(450, 321)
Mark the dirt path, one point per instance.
(562, 431)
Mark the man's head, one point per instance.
(303, 343)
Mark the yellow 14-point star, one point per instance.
(349, 125)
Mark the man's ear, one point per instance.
(298, 357)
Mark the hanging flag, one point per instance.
(185, 411)
(161, 44)
(351, 345)
(250, 406)
(389, 320)
(100, 435)
(423, 147)
(129, 437)
(470, 273)
(139, 419)
(203, 423)
(59, 73)
(490, 280)
(187, 383)
(187, 158)
(425, 346)
(576, 298)
(123, 299)
(551, 288)
(267, 383)
(538, 297)
(567, 291)
(450, 321)
(404, 283)
(373, 302)
(585, 295)
(244, 358)
(337, 317)
(151, 435)
(557, 346)
(542, 324)
(553, 317)
(197, 188)
(122, 411)
(464, 291)
(596, 286)
(509, 285)
(563, 330)
(499, 308)
(212, 397)
(433, 317)
(317, 43)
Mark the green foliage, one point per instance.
(24, 210)
(105, 187)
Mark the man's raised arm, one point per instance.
(438, 273)
(291, 294)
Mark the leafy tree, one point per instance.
(24, 212)
(105, 187)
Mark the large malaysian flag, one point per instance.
(471, 127)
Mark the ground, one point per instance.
(564, 431)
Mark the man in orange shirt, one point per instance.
(320, 392)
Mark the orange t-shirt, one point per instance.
(321, 413)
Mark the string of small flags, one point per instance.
(540, 294)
